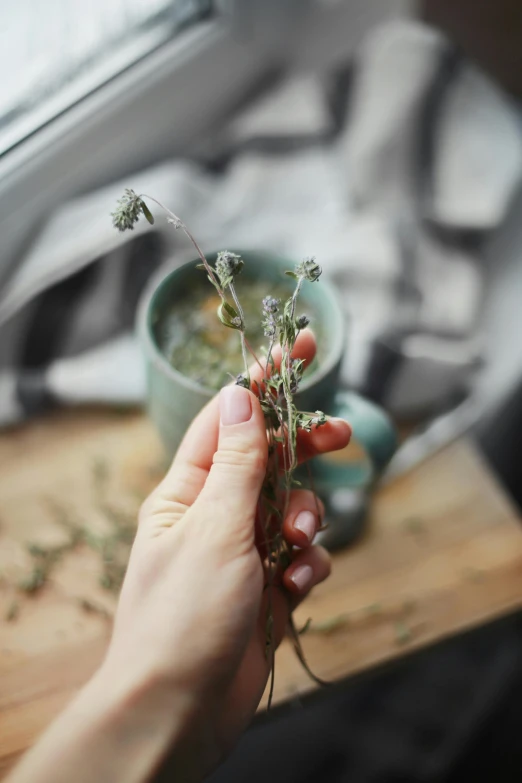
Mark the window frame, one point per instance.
(208, 67)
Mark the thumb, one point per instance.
(234, 481)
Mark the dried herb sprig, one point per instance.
(276, 392)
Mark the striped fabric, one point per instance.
(309, 169)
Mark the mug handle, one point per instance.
(373, 444)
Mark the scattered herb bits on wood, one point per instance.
(414, 526)
(91, 607)
(403, 634)
(13, 610)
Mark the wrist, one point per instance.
(117, 728)
(138, 716)
(150, 720)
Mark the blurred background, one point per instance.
(382, 136)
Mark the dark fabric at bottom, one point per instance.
(452, 711)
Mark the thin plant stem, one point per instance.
(269, 359)
(295, 296)
(253, 354)
(232, 290)
(181, 224)
(286, 384)
(285, 362)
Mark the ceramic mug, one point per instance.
(173, 399)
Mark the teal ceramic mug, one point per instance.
(173, 399)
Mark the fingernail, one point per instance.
(305, 522)
(235, 406)
(302, 577)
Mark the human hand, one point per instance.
(191, 620)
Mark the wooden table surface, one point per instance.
(443, 553)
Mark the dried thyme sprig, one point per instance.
(227, 267)
(276, 391)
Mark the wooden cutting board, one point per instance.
(443, 553)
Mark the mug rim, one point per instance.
(335, 343)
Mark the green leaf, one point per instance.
(292, 274)
(200, 266)
(228, 316)
(146, 211)
(230, 310)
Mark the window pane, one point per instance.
(54, 52)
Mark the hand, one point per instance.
(191, 605)
(187, 664)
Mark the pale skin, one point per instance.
(186, 667)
